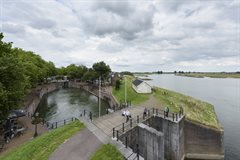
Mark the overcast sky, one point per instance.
(168, 35)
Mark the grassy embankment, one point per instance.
(42, 147)
(107, 152)
(131, 94)
(195, 110)
(211, 75)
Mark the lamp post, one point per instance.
(99, 96)
(125, 79)
(35, 121)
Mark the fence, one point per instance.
(121, 129)
(60, 123)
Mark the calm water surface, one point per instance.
(67, 103)
(224, 94)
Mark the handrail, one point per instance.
(133, 122)
(56, 124)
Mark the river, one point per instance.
(67, 103)
(223, 93)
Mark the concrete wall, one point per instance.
(173, 136)
(153, 142)
(33, 99)
(200, 139)
(181, 139)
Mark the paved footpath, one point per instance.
(79, 147)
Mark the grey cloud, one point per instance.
(13, 28)
(43, 24)
(112, 19)
(122, 8)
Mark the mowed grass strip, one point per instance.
(41, 147)
(132, 95)
(107, 152)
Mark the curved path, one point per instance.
(79, 147)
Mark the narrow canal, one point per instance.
(67, 103)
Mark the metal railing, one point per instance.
(133, 122)
(54, 125)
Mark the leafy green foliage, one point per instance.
(19, 71)
(41, 147)
(101, 69)
(107, 152)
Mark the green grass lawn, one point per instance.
(107, 152)
(41, 147)
(133, 96)
(211, 75)
(195, 110)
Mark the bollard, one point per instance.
(131, 123)
(117, 135)
(90, 115)
(113, 132)
(126, 139)
(137, 119)
(173, 116)
(123, 127)
(56, 124)
(164, 114)
(64, 121)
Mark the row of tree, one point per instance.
(22, 70)
(83, 73)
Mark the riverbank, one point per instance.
(195, 110)
(31, 102)
(210, 75)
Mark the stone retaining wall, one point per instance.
(33, 99)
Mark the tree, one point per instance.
(13, 81)
(101, 69)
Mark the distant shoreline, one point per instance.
(210, 75)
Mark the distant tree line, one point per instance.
(22, 70)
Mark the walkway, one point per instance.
(107, 122)
(79, 147)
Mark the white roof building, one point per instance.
(141, 86)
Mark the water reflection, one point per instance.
(67, 103)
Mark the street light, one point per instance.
(35, 121)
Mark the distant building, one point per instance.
(141, 86)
